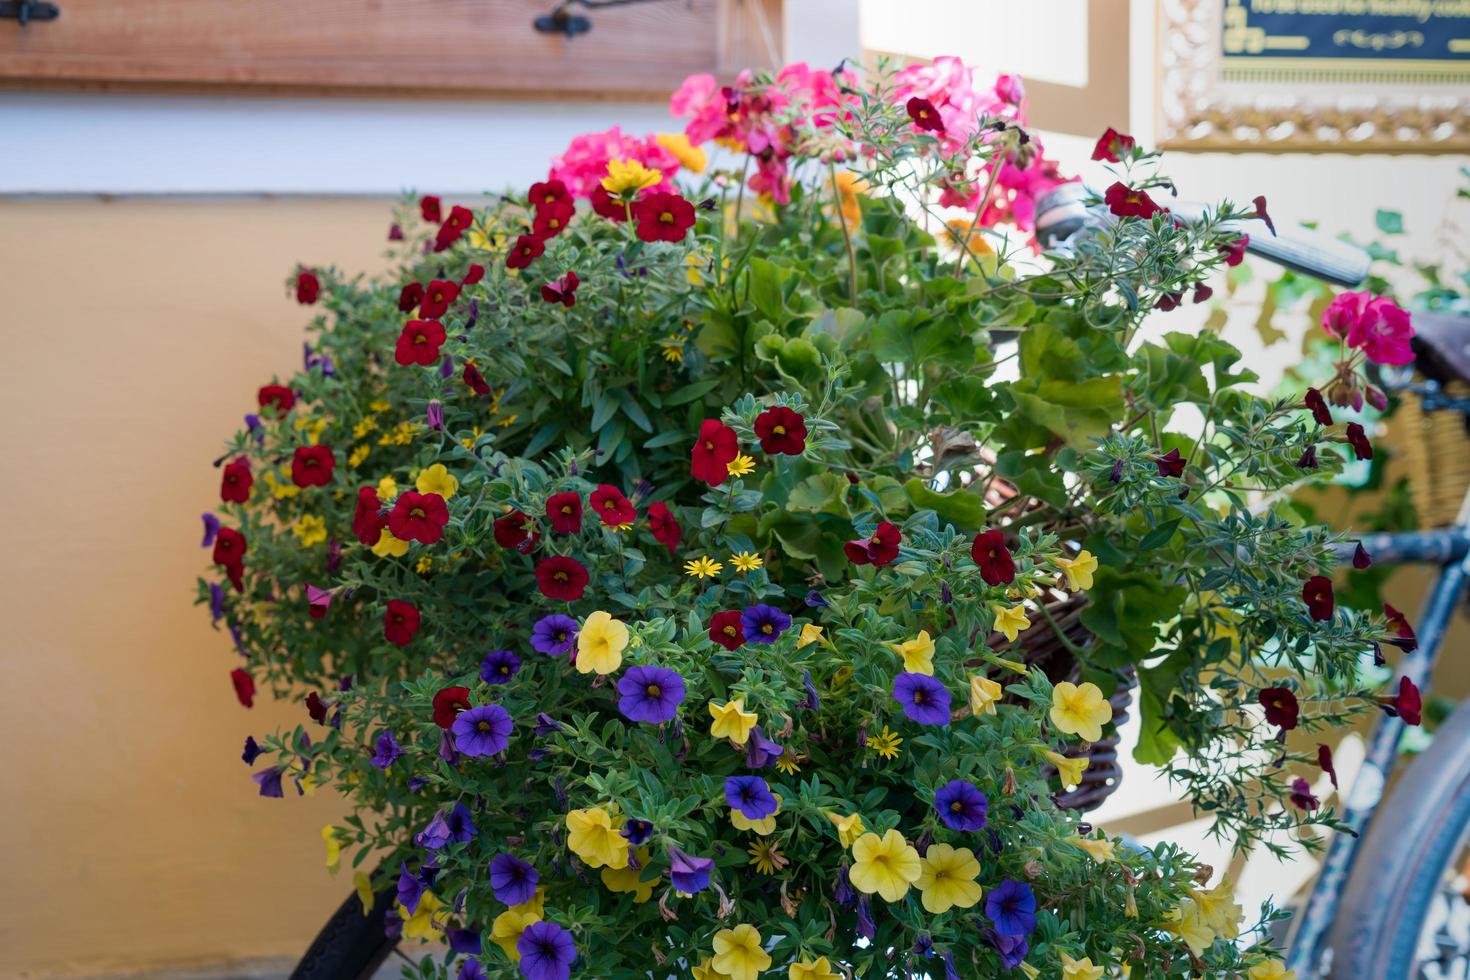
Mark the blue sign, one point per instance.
(1410, 34)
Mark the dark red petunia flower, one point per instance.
(278, 397)
(459, 221)
(1308, 459)
(229, 548)
(244, 687)
(878, 550)
(1281, 707)
(1234, 253)
(1408, 704)
(510, 532)
(418, 517)
(1301, 795)
(564, 510)
(448, 703)
(562, 290)
(1260, 203)
(235, 481)
(1358, 439)
(400, 622)
(1317, 594)
(311, 466)
(308, 287)
(663, 217)
(474, 274)
(611, 208)
(1318, 405)
(665, 527)
(781, 431)
(367, 520)
(410, 296)
(713, 452)
(1169, 301)
(1171, 463)
(475, 380)
(419, 343)
(430, 208)
(993, 558)
(1361, 558)
(560, 577)
(552, 220)
(526, 249)
(1324, 762)
(1202, 293)
(925, 116)
(1111, 146)
(316, 708)
(610, 504)
(726, 629)
(1406, 640)
(547, 193)
(437, 297)
(1126, 202)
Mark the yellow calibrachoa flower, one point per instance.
(626, 177)
(600, 643)
(593, 836)
(1070, 770)
(849, 828)
(334, 848)
(1011, 621)
(1078, 570)
(746, 561)
(310, 530)
(363, 885)
(706, 971)
(388, 545)
(1080, 969)
(887, 865)
(621, 880)
(849, 186)
(947, 878)
(1271, 970)
(358, 455)
(387, 489)
(312, 427)
(742, 465)
(731, 720)
(1102, 851)
(690, 157)
(763, 826)
(810, 633)
(702, 567)
(1080, 709)
(437, 479)
(1219, 910)
(886, 743)
(739, 953)
(281, 488)
(506, 930)
(422, 923)
(917, 654)
(1185, 923)
(984, 693)
(805, 969)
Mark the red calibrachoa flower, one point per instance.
(278, 397)
(367, 520)
(879, 550)
(437, 297)
(474, 274)
(665, 527)
(547, 193)
(235, 481)
(1324, 762)
(244, 687)
(411, 295)
(1112, 145)
(993, 558)
(526, 249)
(308, 287)
(1318, 405)
(1171, 464)
(1358, 439)
(510, 532)
(1406, 640)
(663, 217)
(229, 548)
(781, 431)
(419, 343)
(459, 221)
(400, 622)
(1234, 253)
(429, 208)
(1260, 202)
(311, 466)
(1126, 202)
(475, 380)
(713, 452)
(1317, 594)
(611, 208)
(552, 219)
(562, 290)
(564, 510)
(1281, 707)
(1301, 795)
(448, 703)
(726, 629)
(924, 115)
(418, 517)
(560, 577)
(610, 504)
(1169, 301)
(316, 708)
(1407, 704)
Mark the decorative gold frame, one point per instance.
(1291, 110)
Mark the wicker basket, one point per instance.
(1435, 461)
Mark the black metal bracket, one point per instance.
(26, 11)
(563, 21)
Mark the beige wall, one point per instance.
(135, 335)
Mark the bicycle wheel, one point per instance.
(351, 946)
(1405, 914)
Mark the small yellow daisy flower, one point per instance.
(886, 743)
(789, 763)
(672, 351)
(767, 857)
(364, 426)
(746, 562)
(741, 465)
(359, 455)
(378, 405)
(702, 567)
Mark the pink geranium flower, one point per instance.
(1377, 326)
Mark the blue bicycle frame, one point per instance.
(1448, 548)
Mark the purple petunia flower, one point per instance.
(334, 555)
(435, 834)
(811, 702)
(252, 424)
(815, 600)
(483, 731)
(1013, 950)
(410, 889)
(462, 827)
(842, 890)
(761, 751)
(950, 971)
(923, 698)
(446, 367)
(513, 880)
(467, 942)
(216, 602)
(690, 874)
(866, 927)
(546, 725)
(388, 750)
(499, 666)
(470, 969)
(554, 635)
(434, 415)
(1012, 908)
(764, 624)
(392, 925)
(416, 784)
(961, 806)
(751, 796)
(547, 952)
(211, 529)
(651, 694)
(269, 781)
(447, 751)
(252, 751)
(636, 831)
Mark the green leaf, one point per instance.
(690, 392)
(1389, 222)
(822, 493)
(634, 411)
(605, 409)
(962, 508)
(544, 437)
(1159, 535)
